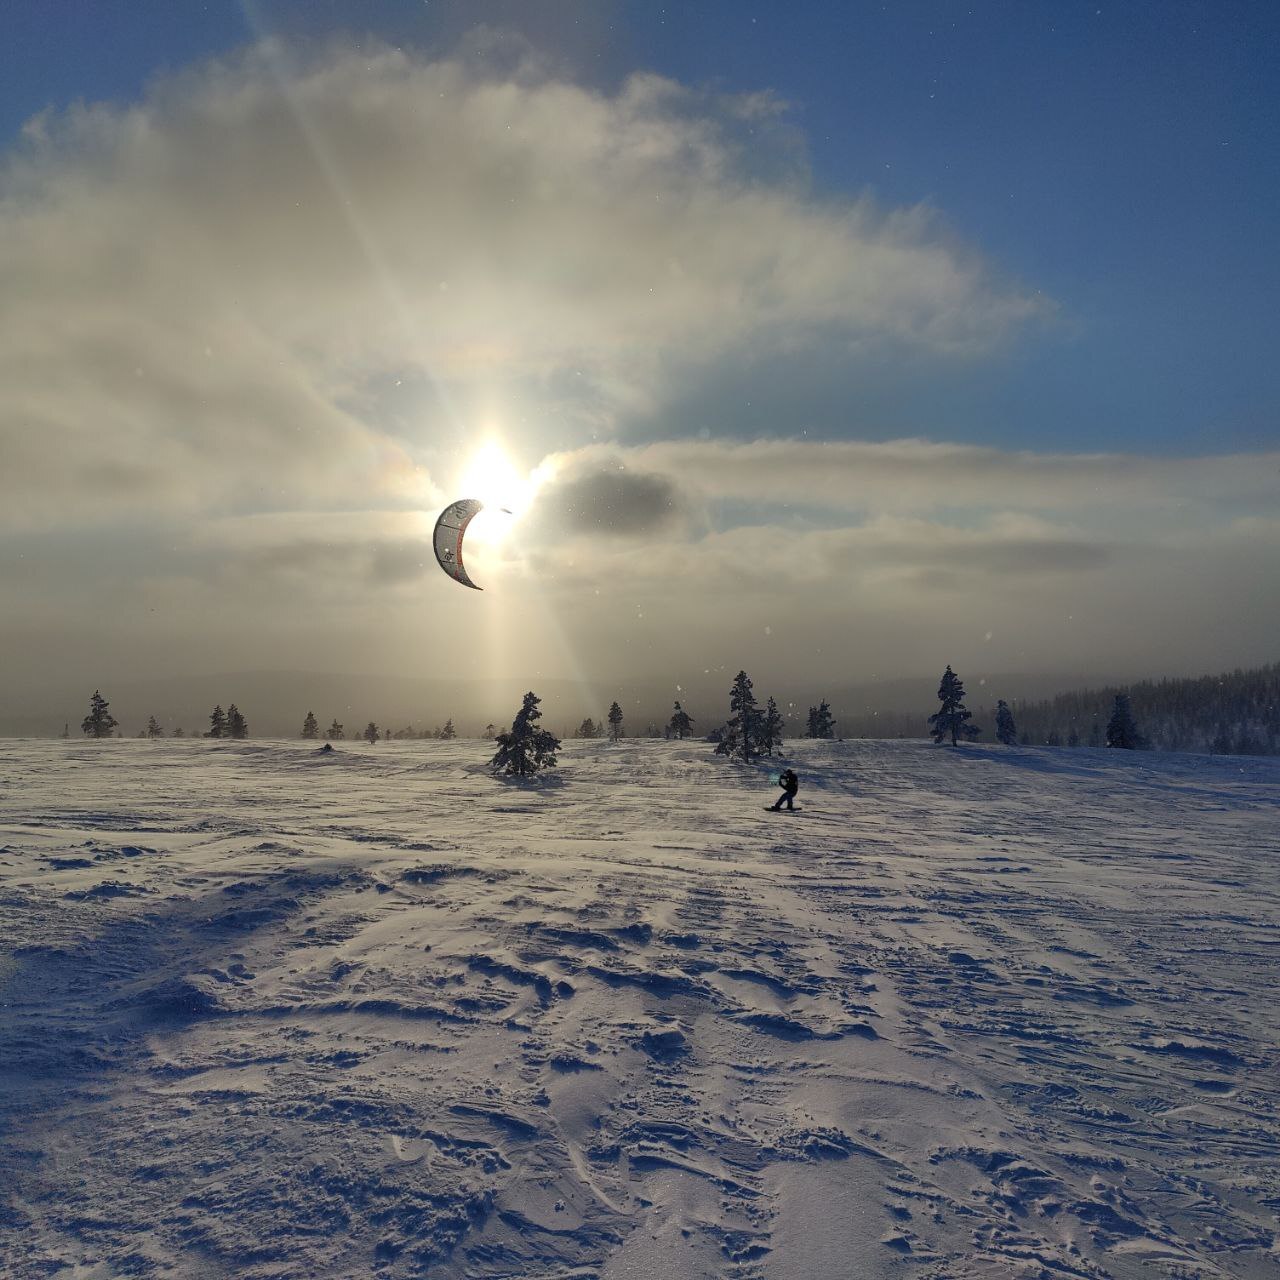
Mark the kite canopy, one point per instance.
(450, 529)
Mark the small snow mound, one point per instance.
(434, 874)
(1187, 1047)
(669, 1042)
(816, 1144)
(183, 999)
(108, 889)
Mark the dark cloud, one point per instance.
(612, 500)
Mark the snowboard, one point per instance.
(770, 809)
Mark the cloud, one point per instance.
(924, 475)
(895, 554)
(607, 498)
(255, 319)
(212, 278)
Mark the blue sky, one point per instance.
(1118, 157)
(879, 335)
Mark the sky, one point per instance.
(849, 340)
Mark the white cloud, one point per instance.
(198, 285)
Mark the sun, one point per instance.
(506, 491)
(491, 476)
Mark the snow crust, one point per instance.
(975, 1012)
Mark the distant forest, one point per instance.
(1231, 714)
(1234, 714)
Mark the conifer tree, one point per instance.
(153, 728)
(680, 726)
(66, 729)
(178, 733)
(1121, 730)
(770, 728)
(525, 748)
(615, 722)
(741, 731)
(217, 723)
(1006, 730)
(587, 729)
(448, 733)
(237, 726)
(335, 733)
(490, 732)
(820, 723)
(99, 722)
(952, 718)
(310, 728)
(371, 732)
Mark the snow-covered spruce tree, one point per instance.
(237, 726)
(680, 725)
(615, 722)
(217, 723)
(310, 726)
(99, 723)
(820, 723)
(770, 728)
(1006, 730)
(1121, 730)
(525, 748)
(371, 733)
(448, 733)
(153, 728)
(335, 733)
(587, 729)
(952, 718)
(741, 731)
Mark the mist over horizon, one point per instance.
(276, 702)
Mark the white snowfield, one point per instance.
(977, 1012)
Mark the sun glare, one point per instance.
(506, 492)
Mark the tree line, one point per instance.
(100, 723)
(1235, 713)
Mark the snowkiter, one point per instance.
(790, 785)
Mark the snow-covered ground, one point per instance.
(976, 1012)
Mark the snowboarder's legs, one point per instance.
(786, 795)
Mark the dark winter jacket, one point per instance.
(789, 782)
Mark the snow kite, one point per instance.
(450, 529)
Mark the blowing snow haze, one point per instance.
(799, 350)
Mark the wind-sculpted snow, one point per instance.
(970, 1013)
